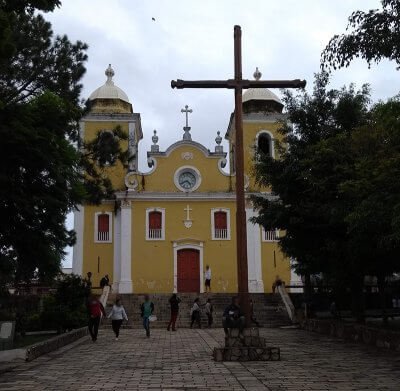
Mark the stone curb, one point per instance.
(36, 350)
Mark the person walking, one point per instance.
(146, 310)
(195, 313)
(174, 303)
(117, 316)
(95, 309)
(207, 279)
(209, 312)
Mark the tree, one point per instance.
(313, 163)
(375, 36)
(41, 168)
(374, 192)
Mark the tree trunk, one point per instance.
(307, 287)
(358, 300)
(307, 295)
(381, 286)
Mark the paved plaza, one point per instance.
(182, 361)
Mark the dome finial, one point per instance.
(257, 74)
(109, 73)
(155, 147)
(219, 148)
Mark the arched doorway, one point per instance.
(188, 270)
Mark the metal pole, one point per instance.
(241, 234)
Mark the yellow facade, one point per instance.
(139, 263)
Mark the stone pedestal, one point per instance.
(248, 347)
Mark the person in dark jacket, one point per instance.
(95, 309)
(146, 310)
(105, 281)
(233, 316)
(174, 303)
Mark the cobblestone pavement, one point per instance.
(182, 361)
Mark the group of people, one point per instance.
(233, 316)
(117, 314)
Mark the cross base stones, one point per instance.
(247, 347)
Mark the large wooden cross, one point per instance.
(238, 84)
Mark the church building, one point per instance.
(166, 224)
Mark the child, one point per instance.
(195, 313)
(146, 310)
(209, 312)
(117, 316)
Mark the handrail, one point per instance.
(288, 303)
(104, 296)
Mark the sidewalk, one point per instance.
(182, 361)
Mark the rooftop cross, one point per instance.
(238, 84)
(186, 135)
(186, 110)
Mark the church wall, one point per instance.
(162, 179)
(270, 270)
(116, 173)
(92, 250)
(153, 261)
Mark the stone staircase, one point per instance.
(269, 309)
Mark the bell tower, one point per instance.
(262, 115)
(109, 107)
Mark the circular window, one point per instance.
(187, 178)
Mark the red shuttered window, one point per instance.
(220, 225)
(103, 227)
(155, 225)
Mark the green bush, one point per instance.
(33, 322)
(65, 310)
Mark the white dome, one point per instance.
(259, 93)
(109, 90)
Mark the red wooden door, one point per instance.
(188, 270)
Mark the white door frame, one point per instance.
(183, 246)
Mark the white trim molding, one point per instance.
(192, 170)
(117, 251)
(188, 244)
(272, 139)
(125, 280)
(155, 236)
(256, 284)
(77, 255)
(96, 227)
(228, 224)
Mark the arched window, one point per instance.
(264, 144)
(103, 227)
(220, 221)
(155, 221)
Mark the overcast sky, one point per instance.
(194, 40)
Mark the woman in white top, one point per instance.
(117, 316)
(207, 278)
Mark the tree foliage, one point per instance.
(336, 182)
(41, 168)
(373, 36)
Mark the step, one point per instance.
(247, 354)
(269, 309)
